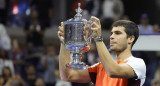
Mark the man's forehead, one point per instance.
(118, 28)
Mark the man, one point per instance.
(145, 26)
(125, 71)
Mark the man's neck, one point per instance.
(121, 56)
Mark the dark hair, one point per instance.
(130, 28)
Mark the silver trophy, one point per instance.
(75, 39)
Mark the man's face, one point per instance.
(118, 39)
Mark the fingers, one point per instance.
(94, 29)
(62, 23)
(61, 27)
(60, 34)
(61, 30)
(86, 32)
(95, 19)
(95, 26)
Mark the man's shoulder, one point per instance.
(132, 58)
(138, 66)
(134, 61)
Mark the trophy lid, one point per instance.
(78, 16)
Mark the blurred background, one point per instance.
(29, 46)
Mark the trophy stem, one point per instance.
(76, 57)
(76, 54)
(76, 63)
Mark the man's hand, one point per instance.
(61, 33)
(95, 27)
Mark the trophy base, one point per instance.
(76, 66)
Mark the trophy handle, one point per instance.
(88, 33)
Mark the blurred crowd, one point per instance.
(34, 64)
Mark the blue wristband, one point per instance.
(98, 39)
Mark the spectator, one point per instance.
(44, 8)
(4, 61)
(1, 81)
(4, 7)
(125, 17)
(18, 55)
(92, 7)
(15, 80)
(112, 10)
(31, 75)
(34, 30)
(156, 28)
(156, 80)
(6, 74)
(145, 26)
(39, 82)
(5, 42)
(50, 63)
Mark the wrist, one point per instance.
(98, 39)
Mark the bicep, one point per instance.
(126, 71)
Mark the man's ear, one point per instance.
(131, 39)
